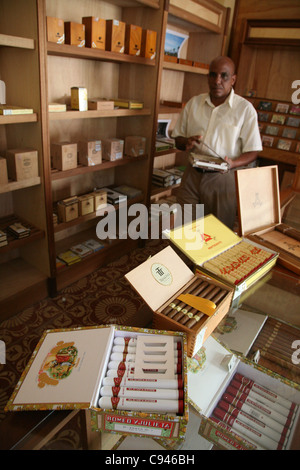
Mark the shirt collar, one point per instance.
(228, 100)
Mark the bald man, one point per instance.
(227, 123)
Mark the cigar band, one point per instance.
(197, 318)
(172, 305)
(184, 311)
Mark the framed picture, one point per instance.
(174, 42)
(267, 141)
(294, 122)
(283, 144)
(272, 130)
(278, 119)
(282, 108)
(295, 110)
(263, 117)
(265, 105)
(289, 133)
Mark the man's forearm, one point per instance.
(243, 160)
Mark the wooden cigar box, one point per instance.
(115, 36)
(3, 171)
(161, 279)
(68, 209)
(64, 155)
(112, 149)
(148, 45)
(133, 39)
(260, 215)
(95, 32)
(68, 367)
(55, 30)
(22, 164)
(90, 152)
(217, 251)
(212, 378)
(74, 34)
(86, 204)
(135, 145)
(100, 199)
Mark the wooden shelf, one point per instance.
(18, 118)
(67, 115)
(16, 41)
(15, 185)
(184, 68)
(67, 50)
(13, 243)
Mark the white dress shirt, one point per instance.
(230, 129)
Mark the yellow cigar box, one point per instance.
(212, 378)
(95, 32)
(64, 155)
(115, 36)
(3, 171)
(148, 45)
(90, 152)
(55, 30)
(162, 279)
(74, 34)
(86, 204)
(204, 240)
(100, 199)
(133, 39)
(68, 367)
(22, 164)
(260, 215)
(68, 209)
(79, 98)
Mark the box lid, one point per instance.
(258, 198)
(160, 277)
(203, 238)
(64, 370)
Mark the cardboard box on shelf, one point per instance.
(79, 98)
(95, 32)
(112, 149)
(73, 369)
(148, 45)
(55, 30)
(115, 36)
(135, 146)
(133, 39)
(64, 155)
(90, 152)
(22, 163)
(74, 33)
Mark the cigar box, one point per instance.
(112, 149)
(79, 99)
(185, 62)
(3, 171)
(68, 209)
(64, 155)
(100, 199)
(86, 204)
(204, 240)
(55, 30)
(95, 31)
(90, 152)
(148, 45)
(170, 58)
(22, 163)
(115, 36)
(135, 146)
(101, 104)
(260, 215)
(67, 371)
(74, 34)
(133, 39)
(212, 382)
(161, 280)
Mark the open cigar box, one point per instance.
(81, 368)
(218, 252)
(163, 279)
(260, 215)
(242, 406)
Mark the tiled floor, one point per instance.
(103, 297)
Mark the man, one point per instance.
(227, 123)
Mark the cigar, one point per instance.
(182, 308)
(189, 309)
(150, 369)
(149, 383)
(241, 436)
(238, 426)
(159, 358)
(194, 311)
(216, 299)
(149, 405)
(287, 230)
(176, 304)
(132, 341)
(141, 392)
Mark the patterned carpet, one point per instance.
(103, 297)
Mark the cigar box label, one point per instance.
(130, 424)
(58, 364)
(161, 274)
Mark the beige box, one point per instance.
(68, 209)
(74, 34)
(133, 39)
(46, 383)
(115, 36)
(86, 204)
(148, 45)
(64, 155)
(168, 276)
(55, 30)
(135, 146)
(22, 164)
(3, 171)
(100, 199)
(79, 98)
(90, 152)
(112, 149)
(101, 104)
(95, 32)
